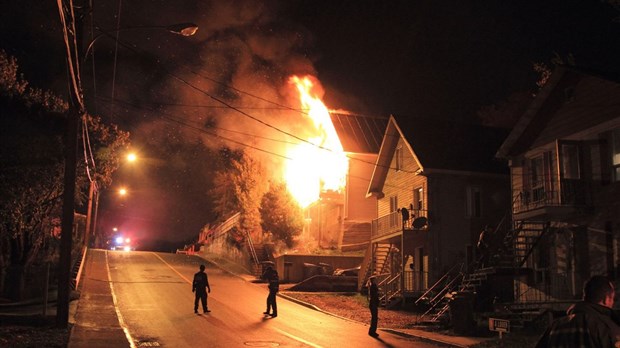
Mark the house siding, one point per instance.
(452, 231)
(359, 208)
(584, 240)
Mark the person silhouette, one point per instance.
(200, 285)
(271, 275)
(405, 212)
(373, 305)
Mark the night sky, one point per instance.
(412, 59)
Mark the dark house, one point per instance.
(564, 158)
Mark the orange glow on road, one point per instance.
(319, 167)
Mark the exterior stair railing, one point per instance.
(252, 249)
(390, 288)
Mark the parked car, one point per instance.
(351, 272)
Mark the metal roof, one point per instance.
(359, 133)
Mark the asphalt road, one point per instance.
(154, 302)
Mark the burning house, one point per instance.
(329, 175)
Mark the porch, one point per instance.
(557, 201)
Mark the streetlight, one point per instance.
(131, 157)
(183, 29)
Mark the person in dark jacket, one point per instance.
(200, 286)
(373, 292)
(271, 276)
(484, 246)
(589, 323)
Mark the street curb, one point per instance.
(427, 339)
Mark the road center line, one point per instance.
(172, 268)
(121, 322)
(297, 338)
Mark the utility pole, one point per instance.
(72, 30)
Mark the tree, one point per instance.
(281, 215)
(32, 170)
(238, 186)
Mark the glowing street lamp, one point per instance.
(183, 29)
(131, 157)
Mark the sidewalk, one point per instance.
(96, 323)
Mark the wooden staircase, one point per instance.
(376, 263)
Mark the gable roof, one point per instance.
(437, 145)
(554, 100)
(358, 133)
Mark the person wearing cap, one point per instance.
(373, 304)
(200, 286)
(271, 275)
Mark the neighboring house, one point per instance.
(564, 158)
(446, 176)
(341, 220)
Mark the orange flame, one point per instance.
(321, 164)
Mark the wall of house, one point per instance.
(357, 207)
(453, 228)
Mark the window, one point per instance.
(570, 161)
(398, 157)
(418, 198)
(537, 178)
(473, 202)
(615, 154)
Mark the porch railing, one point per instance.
(389, 287)
(570, 193)
(393, 222)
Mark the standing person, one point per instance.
(271, 275)
(200, 285)
(405, 212)
(484, 245)
(589, 323)
(373, 304)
